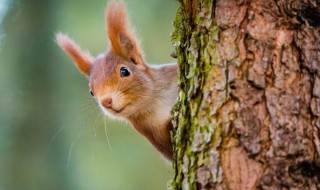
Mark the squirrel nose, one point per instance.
(107, 102)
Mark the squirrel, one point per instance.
(124, 85)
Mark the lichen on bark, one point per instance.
(248, 114)
(197, 51)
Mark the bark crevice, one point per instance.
(249, 102)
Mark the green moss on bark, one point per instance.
(249, 93)
(196, 40)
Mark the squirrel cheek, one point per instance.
(119, 101)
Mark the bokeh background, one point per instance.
(52, 134)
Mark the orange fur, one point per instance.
(81, 58)
(122, 40)
(145, 97)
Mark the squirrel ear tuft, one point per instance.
(122, 40)
(82, 59)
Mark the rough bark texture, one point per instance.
(248, 115)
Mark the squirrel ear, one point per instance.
(82, 59)
(122, 40)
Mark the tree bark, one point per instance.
(248, 112)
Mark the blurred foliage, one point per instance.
(52, 134)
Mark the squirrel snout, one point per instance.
(107, 102)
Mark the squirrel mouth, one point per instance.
(114, 110)
(118, 110)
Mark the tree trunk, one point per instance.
(248, 113)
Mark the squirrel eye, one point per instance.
(90, 91)
(124, 72)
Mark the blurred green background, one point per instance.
(52, 134)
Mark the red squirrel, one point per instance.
(124, 85)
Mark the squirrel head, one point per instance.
(118, 77)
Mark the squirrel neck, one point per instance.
(154, 120)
